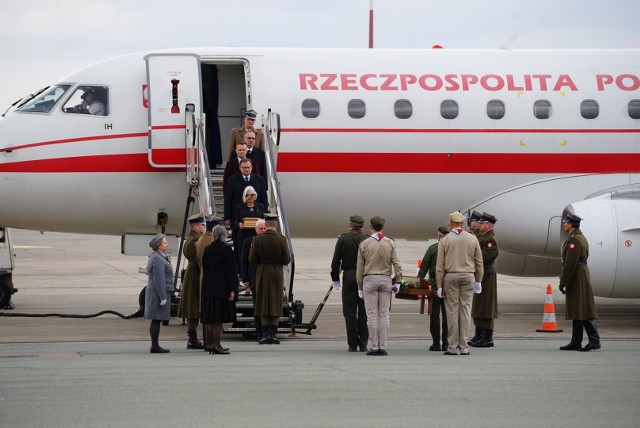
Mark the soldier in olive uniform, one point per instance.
(269, 253)
(576, 283)
(428, 265)
(190, 294)
(485, 304)
(345, 258)
(237, 134)
(474, 222)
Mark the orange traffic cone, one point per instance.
(549, 324)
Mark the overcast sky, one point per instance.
(42, 41)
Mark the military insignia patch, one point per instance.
(490, 244)
(572, 245)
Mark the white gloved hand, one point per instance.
(439, 293)
(477, 287)
(360, 294)
(336, 285)
(163, 302)
(395, 288)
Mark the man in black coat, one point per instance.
(257, 155)
(233, 197)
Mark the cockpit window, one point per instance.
(44, 102)
(93, 100)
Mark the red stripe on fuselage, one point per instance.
(74, 140)
(470, 163)
(135, 162)
(458, 131)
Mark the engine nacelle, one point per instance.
(611, 224)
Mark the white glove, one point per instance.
(163, 302)
(336, 285)
(477, 287)
(360, 294)
(395, 288)
(439, 292)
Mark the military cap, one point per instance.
(356, 220)
(156, 240)
(487, 218)
(456, 217)
(444, 230)
(196, 218)
(377, 222)
(251, 114)
(212, 222)
(572, 218)
(270, 217)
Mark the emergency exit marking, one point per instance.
(627, 243)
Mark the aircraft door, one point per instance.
(173, 81)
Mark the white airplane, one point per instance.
(411, 135)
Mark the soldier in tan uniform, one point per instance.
(237, 134)
(190, 293)
(485, 304)
(576, 283)
(377, 262)
(458, 265)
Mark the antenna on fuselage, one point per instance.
(370, 24)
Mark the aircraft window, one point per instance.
(356, 109)
(634, 109)
(542, 109)
(495, 109)
(589, 109)
(44, 102)
(449, 109)
(92, 100)
(403, 109)
(310, 108)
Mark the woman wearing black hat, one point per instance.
(157, 306)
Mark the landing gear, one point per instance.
(6, 290)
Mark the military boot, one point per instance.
(476, 338)
(266, 337)
(486, 341)
(193, 342)
(576, 338)
(592, 333)
(274, 338)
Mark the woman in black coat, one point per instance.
(249, 208)
(219, 284)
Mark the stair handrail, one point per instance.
(272, 126)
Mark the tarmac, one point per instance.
(98, 372)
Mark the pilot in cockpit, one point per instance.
(91, 104)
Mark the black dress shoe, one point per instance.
(372, 352)
(572, 346)
(382, 352)
(435, 347)
(353, 349)
(450, 353)
(221, 351)
(590, 346)
(158, 350)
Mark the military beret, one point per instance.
(377, 221)
(444, 230)
(156, 240)
(456, 217)
(251, 114)
(357, 220)
(487, 218)
(196, 218)
(572, 218)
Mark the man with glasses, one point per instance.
(237, 134)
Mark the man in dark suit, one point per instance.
(233, 196)
(248, 272)
(233, 165)
(257, 155)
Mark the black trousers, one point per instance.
(434, 320)
(355, 316)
